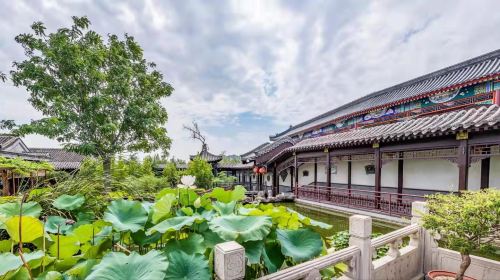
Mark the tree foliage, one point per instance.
(171, 174)
(202, 170)
(467, 222)
(98, 96)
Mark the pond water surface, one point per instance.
(338, 220)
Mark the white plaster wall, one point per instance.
(430, 175)
(341, 176)
(495, 172)
(321, 172)
(269, 182)
(474, 182)
(390, 174)
(309, 179)
(287, 181)
(359, 176)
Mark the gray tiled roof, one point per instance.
(252, 152)
(439, 124)
(61, 159)
(431, 125)
(472, 70)
(207, 156)
(6, 140)
(230, 165)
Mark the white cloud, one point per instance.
(285, 61)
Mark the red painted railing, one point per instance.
(392, 204)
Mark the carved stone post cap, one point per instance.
(418, 208)
(229, 261)
(360, 226)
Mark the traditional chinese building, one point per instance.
(14, 147)
(436, 133)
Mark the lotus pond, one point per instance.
(171, 236)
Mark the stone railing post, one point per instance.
(427, 242)
(360, 230)
(229, 261)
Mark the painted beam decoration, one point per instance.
(457, 97)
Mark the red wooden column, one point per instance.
(296, 170)
(328, 174)
(378, 174)
(400, 176)
(274, 182)
(463, 161)
(485, 173)
(5, 183)
(292, 189)
(496, 97)
(349, 175)
(316, 173)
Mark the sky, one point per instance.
(248, 69)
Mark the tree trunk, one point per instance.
(463, 267)
(106, 171)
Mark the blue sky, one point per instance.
(247, 69)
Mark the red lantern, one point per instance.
(262, 170)
(255, 169)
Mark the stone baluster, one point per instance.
(425, 240)
(360, 230)
(394, 249)
(229, 261)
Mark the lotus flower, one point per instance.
(181, 186)
(188, 180)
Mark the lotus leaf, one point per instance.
(140, 237)
(55, 224)
(162, 208)
(31, 228)
(172, 224)
(11, 209)
(187, 267)
(228, 196)
(309, 221)
(126, 215)
(81, 269)
(211, 238)
(64, 246)
(253, 251)
(272, 256)
(50, 275)
(241, 228)
(224, 208)
(193, 244)
(12, 262)
(69, 202)
(118, 266)
(301, 244)
(5, 245)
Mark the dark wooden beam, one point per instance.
(275, 184)
(436, 144)
(485, 173)
(296, 171)
(463, 165)
(378, 176)
(352, 151)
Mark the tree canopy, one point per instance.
(98, 96)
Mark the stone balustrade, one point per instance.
(411, 261)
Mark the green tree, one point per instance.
(98, 96)
(147, 166)
(202, 170)
(171, 174)
(468, 222)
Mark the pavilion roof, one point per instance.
(472, 71)
(433, 125)
(206, 155)
(233, 165)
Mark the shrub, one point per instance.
(468, 222)
(202, 170)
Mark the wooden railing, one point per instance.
(393, 204)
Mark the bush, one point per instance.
(202, 170)
(468, 222)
